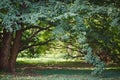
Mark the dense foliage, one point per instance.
(93, 24)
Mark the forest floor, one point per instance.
(58, 69)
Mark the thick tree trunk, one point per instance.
(15, 50)
(5, 50)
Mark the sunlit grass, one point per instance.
(58, 60)
(50, 57)
(49, 60)
(52, 63)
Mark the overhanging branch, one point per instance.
(35, 33)
(36, 27)
(38, 44)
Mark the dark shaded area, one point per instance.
(69, 72)
(64, 68)
(58, 71)
(111, 73)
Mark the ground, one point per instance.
(58, 69)
(59, 74)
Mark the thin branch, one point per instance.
(38, 44)
(30, 27)
(37, 27)
(35, 33)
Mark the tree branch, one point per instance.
(35, 33)
(37, 27)
(38, 44)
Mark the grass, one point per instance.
(60, 74)
(57, 68)
(58, 60)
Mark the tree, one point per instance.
(104, 29)
(67, 18)
(16, 18)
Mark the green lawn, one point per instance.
(54, 69)
(60, 74)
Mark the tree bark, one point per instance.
(15, 50)
(5, 50)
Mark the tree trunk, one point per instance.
(15, 50)
(5, 50)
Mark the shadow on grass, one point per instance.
(111, 73)
(39, 69)
(37, 73)
(58, 72)
(70, 72)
